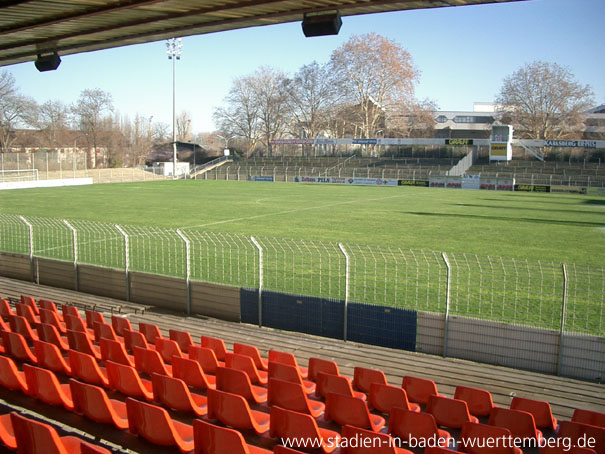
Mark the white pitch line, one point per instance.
(277, 213)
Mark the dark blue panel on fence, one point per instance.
(248, 303)
(378, 325)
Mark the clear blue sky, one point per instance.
(463, 54)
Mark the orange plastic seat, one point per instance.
(206, 357)
(113, 350)
(119, 324)
(86, 368)
(593, 418)
(292, 396)
(26, 311)
(479, 401)
(192, 373)
(7, 435)
(48, 333)
(563, 450)
(297, 426)
(80, 341)
(50, 306)
(329, 383)
(155, 425)
(5, 308)
(364, 377)
(419, 389)
(237, 382)
(149, 361)
(92, 317)
(167, 348)
(135, 339)
(347, 410)
(251, 351)
(49, 357)
(150, 331)
(183, 338)
(4, 326)
(384, 397)
(246, 364)
(92, 402)
(576, 431)
(52, 318)
(289, 359)
(10, 376)
(540, 410)
(438, 450)
(215, 344)
(34, 437)
(174, 393)
(73, 323)
(211, 439)
(126, 380)
(449, 412)
(286, 372)
(16, 346)
(43, 384)
(19, 324)
(233, 411)
(281, 449)
(31, 302)
(475, 439)
(105, 331)
(326, 366)
(369, 442)
(72, 311)
(407, 424)
(520, 423)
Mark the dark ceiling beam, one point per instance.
(9, 3)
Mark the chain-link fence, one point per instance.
(517, 291)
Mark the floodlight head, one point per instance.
(48, 62)
(321, 25)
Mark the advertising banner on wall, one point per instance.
(422, 183)
(352, 181)
(266, 179)
(498, 184)
(471, 182)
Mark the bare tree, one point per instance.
(15, 110)
(376, 75)
(161, 132)
(90, 111)
(544, 101)
(183, 127)
(52, 120)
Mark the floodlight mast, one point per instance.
(174, 49)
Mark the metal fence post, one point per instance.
(448, 283)
(30, 233)
(347, 283)
(563, 314)
(260, 281)
(126, 259)
(74, 236)
(187, 269)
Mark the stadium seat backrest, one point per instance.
(364, 377)
(167, 348)
(474, 438)
(92, 317)
(191, 373)
(104, 331)
(479, 401)
(31, 302)
(251, 351)
(281, 449)
(576, 431)
(4, 326)
(92, 402)
(49, 357)
(449, 412)
(293, 425)
(26, 311)
(284, 372)
(328, 383)
(352, 411)
(150, 331)
(80, 341)
(43, 384)
(120, 324)
(74, 323)
(288, 359)
(215, 344)
(5, 308)
(406, 424)
(126, 380)
(563, 450)
(211, 439)
(7, 434)
(288, 395)
(369, 442)
(233, 410)
(113, 350)
(48, 305)
(16, 346)
(154, 424)
(72, 311)
(520, 423)
(19, 324)
(246, 364)
(419, 389)
(183, 338)
(52, 318)
(593, 418)
(317, 365)
(86, 368)
(149, 361)
(48, 333)
(10, 376)
(174, 393)
(134, 339)
(540, 410)
(237, 382)
(205, 357)
(384, 397)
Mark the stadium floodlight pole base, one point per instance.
(260, 281)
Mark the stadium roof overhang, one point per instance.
(32, 27)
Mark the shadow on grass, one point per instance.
(505, 218)
(594, 202)
(517, 207)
